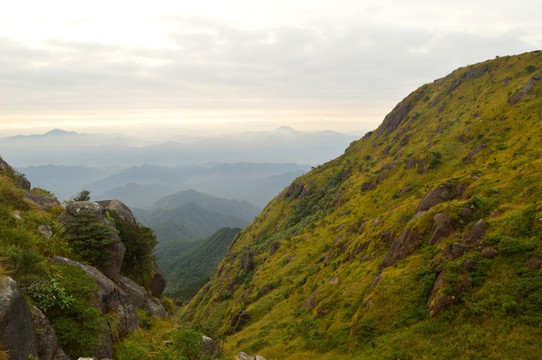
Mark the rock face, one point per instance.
(109, 297)
(113, 263)
(140, 299)
(47, 342)
(157, 282)
(476, 233)
(16, 327)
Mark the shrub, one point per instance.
(84, 195)
(140, 242)
(90, 238)
(49, 294)
(187, 342)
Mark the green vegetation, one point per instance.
(194, 266)
(140, 242)
(318, 288)
(90, 238)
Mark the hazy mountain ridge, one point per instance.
(423, 240)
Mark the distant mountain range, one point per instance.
(60, 147)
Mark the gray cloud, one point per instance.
(215, 66)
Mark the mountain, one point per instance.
(242, 209)
(61, 147)
(193, 267)
(140, 186)
(422, 241)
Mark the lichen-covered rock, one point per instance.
(475, 151)
(17, 331)
(534, 263)
(489, 253)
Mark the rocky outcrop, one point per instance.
(394, 118)
(475, 151)
(443, 226)
(45, 202)
(140, 298)
(157, 282)
(402, 247)
(476, 234)
(47, 342)
(521, 94)
(247, 261)
(17, 331)
(109, 298)
(113, 263)
(434, 197)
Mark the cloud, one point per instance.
(213, 66)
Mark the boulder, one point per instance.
(209, 348)
(443, 226)
(243, 356)
(458, 249)
(121, 210)
(113, 263)
(476, 233)
(47, 341)
(274, 246)
(157, 282)
(45, 202)
(434, 197)
(402, 247)
(247, 261)
(109, 297)
(140, 298)
(17, 331)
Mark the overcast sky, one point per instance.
(239, 64)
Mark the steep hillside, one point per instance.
(422, 241)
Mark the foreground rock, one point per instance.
(140, 298)
(157, 283)
(17, 331)
(109, 298)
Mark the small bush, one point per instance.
(187, 342)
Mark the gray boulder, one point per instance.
(434, 197)
(109, 297)
(45, 202)
(209, 348)
(140, 298)
(119, 208)
(17, 331)
(247, 261)
(443, 226)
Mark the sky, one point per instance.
(157, 67)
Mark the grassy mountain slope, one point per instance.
(356, 260)
(194, 266)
